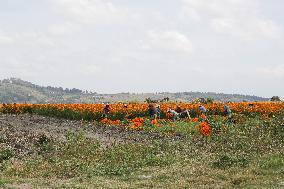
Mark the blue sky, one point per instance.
(109, 46)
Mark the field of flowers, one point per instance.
(244, 150)
(135, 115)
(265, 108)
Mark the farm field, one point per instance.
(123, 94)
(75, 146)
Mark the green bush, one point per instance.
(6, 154)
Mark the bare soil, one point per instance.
(21, 133)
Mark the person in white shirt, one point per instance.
(177, 115)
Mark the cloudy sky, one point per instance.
(109, 46)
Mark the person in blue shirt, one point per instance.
(227, 111)
(202, 109)
(158, 111)
(152, 110)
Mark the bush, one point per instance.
(5, 155)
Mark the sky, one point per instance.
(112, 46)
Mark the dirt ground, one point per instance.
(21, 132)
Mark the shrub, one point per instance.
(6, 154)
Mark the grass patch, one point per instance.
(3, 182)
(225, 161)
(183, 128)
(273, 164)
(81, 156)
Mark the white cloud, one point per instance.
(6, 39)
(91, 11)
(34, 39)
(277, 71)
(63, 29)
(27, 39)
(249, 29)
(240, 18)
(172, 41)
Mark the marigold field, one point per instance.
(264, 108)
(127, 149)
(135, 114)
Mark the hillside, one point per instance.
(19, 91)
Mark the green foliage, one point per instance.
(3, 182)
(117, 116)
(182, 128)
(273, 163)
(126, 159)
(5, 155)
(193, 113)
(136, 114)
(209, 100)
(217, 123)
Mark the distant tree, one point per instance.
(202, 100)
(209, 100)
(166, 99)
(60, 89)
(67, 90)
(275, 99)
(148, 100)
(74, 90)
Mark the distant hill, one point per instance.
(19, 91)
(15, 90)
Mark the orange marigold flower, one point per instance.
(194, 119)
(110, 122)
(205, 128)
(203, 116)
(154, 122)
(137, 123)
